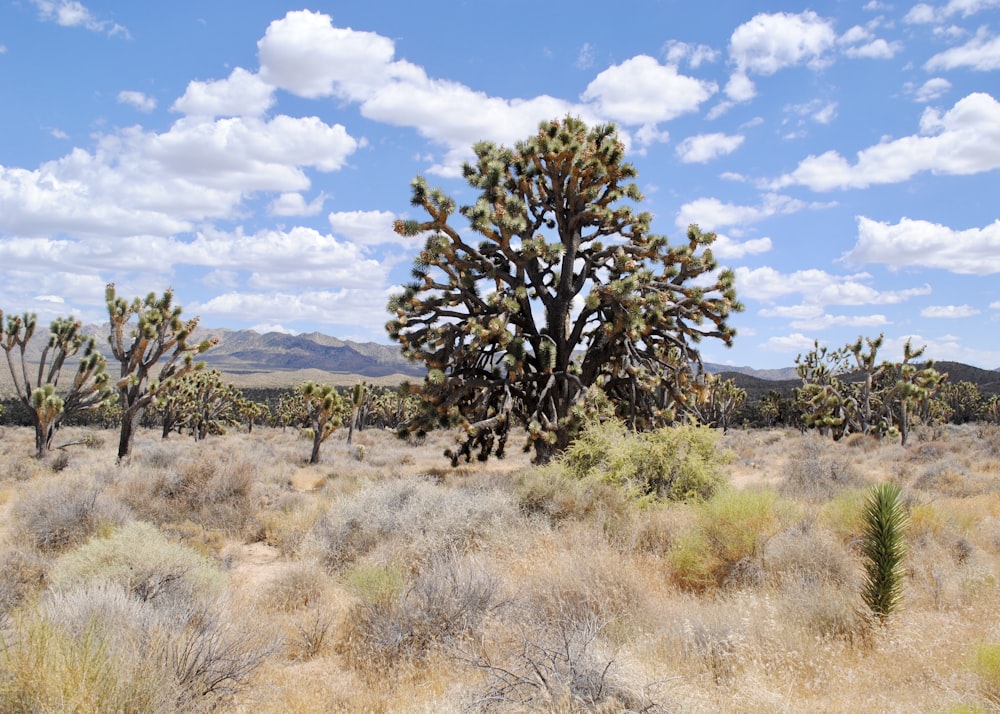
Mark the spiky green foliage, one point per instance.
(156, 333)
(325, 410)
(557, 286)
(884, 547)
(39, 389)
(847, 391)
(200, 402)
(716, 401)
(680, 463)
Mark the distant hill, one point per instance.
(241, 352)
(275, 359)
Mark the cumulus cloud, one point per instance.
(703, 148)
(137, 99)
(932, 89)
(860, 43)
(727, 248)
(949, 311)
(138, 183)
(640, 90)
(923, 13)
(294, 204)
(70, 13)
(771, 42)
(964, 140)
(818, 287)
(974, 251)
(340, 309)
(711, 213)
(981, 53)
(695, 55)
(796, 342)
(367, 227)
(241, 94)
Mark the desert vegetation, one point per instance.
(685, 571)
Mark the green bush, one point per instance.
(679, 463)
(728, 537)
(985, 664)
(139, 558)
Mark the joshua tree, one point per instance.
(556, 287)
(846, 391)
(200, 402)
(158, 332)
(38, 389)
(326, 412)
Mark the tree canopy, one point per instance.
(557, 297)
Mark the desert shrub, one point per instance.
(60, 513)
(412, 519)
(679, 463)
(139, 558)
(803, 555)
(443, 604)
(376, 583)
(728, 537)
(51, 667)
(97, 647)
(843, 515)
(559, 666)
(815, 474)
(212, 489)
(22, 573)
(985, 665)
(552, 493)
(299, 586)
(827, 611)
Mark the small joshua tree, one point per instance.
(157, 333)
(884, 549)
(38, 390)
(326, 412)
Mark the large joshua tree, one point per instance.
(557, 293)
(157, 333)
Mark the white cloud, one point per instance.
(923, 13)
(367, 227)
(696, 55)
(70, 13)
(796, 342)
(704, 147)
(711, 213)
(305, 54)
(995, 305)
(817, 287)
(739, 88)
(981, 53)
(949, 311)
(820, 111)
(965, 140)
(294, 204)
(137, 99)
(932, 89)
(825, 322)
(585, 58)
(728, 248)
(642, 91)
(241, 94)
(336, 309)
(876, 49)
(975, 251)
(264, 328)
(138, 183)
(771, 42)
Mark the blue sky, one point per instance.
(253, 155)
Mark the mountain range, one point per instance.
(275, 359)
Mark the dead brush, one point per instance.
(446, 603)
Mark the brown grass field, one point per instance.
(229, 575)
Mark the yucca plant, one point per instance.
(884, 550)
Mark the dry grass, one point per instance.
(392, 583)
